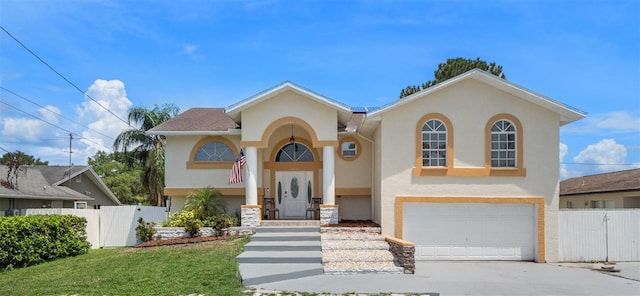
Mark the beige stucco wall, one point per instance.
(625, 199)
(354, 173)
(233, 204)
(289, 103)
(469, 105)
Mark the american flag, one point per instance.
(235, 176)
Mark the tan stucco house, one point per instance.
(466, 169)
(619, 189)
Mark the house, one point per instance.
(467, 169)
(609, 190)
(53, 187)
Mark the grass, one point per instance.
(206, 268)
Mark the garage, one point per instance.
(470, 231)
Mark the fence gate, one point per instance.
(599, 235)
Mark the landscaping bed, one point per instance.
(354, 223)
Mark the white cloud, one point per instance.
(563, 167)
(191, 50)
(610, 122)
(607, 154)
(28, 129)
(103, 126)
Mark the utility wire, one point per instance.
(49, 123)
(584, 163)
(62, 76)
(56, 113)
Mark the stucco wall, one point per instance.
(625, 199)
(88, 187)
(469, 105)
(354, 173)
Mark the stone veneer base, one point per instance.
(328, 214)
(250, 216)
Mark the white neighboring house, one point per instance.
(55, 187)
(466, 169)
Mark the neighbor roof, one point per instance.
(197, 121)
(608, 182)
(57, 175)
(33, 185)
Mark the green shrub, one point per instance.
(29, 240)
(186, 219)
(145, 230)
(223, 221)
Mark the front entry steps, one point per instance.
(284, 252)
(357, 253)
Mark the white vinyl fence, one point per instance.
(111, 226)
(599, 235)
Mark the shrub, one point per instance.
(145, 230)
(30, 240)
(186, 219)
(205, 203)
(223, 221)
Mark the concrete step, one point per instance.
(356, 256)
(280, 257)
(352, 236)
(288, 229)
(256, 274)
(281, 246)
(286, 236)
(340, 268)
(354, 245)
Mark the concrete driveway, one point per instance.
(472, 278)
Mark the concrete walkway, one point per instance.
(471, 278)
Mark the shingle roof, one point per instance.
(615, 181)
(198, 119)
(33, 185)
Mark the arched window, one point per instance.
(294, 152)
(504, 151)
(214, 151)
(434, 144)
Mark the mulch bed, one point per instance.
(354, 223)
(182, 241)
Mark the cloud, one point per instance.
(563, 167)
(610, 122)
(191, 50)
(28, 129)
(606, 154)
(103, 126)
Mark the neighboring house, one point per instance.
(610, 190)
(493, 197)
(51, 187)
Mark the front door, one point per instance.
(293, 193)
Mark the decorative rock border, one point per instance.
(163, 233)
(331, 229)
(403, 253)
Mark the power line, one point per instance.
(49, 123)
(56, 113)
(62, 76)
(582, 163)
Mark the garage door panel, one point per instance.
(470, 231)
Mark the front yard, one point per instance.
(207, 268)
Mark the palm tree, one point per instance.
(148, 149)
(206, 203)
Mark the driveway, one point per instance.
(472, 278)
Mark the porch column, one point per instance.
(250, 211)
(328, 209)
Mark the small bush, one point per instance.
(186, 219)
(223, 221)
(145, 230)
(30, 240)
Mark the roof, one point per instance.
(32, 184)
(607, 182)
(567, 113)
(197, 121)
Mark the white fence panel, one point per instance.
(118, 223)
(599, 235)
(92, 216)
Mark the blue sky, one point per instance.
(213, 53)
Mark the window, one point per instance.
(214, 151)
(600, 204)
(349, 149)
(434, 144)
(503, 144)
(79, 179)
(294, 152)
(569, 204)
(79, 204)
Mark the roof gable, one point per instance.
(567, 113)
(32, 184)
(197, 121)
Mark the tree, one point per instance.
(452, 68)
(147, 149)
(124, 181)
(205, 203)
(22, 158)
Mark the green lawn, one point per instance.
(205, 268)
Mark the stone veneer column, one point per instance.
(328, 209)
(250, 211)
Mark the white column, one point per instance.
(328, 176)
(251, 187)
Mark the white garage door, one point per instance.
(470, 231)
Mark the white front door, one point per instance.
(292, 194)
